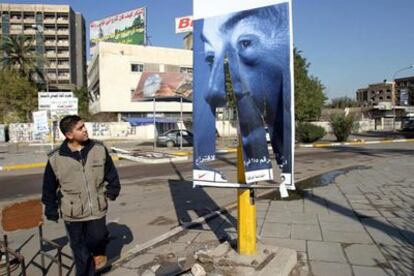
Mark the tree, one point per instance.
(342, 102)
(18, 97)
(18, 54)
(342, 126)
(83, 102)
(309, 96)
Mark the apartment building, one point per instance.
(58, 34)
(375, 94)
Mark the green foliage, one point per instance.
(342, 126)
(83, 103)
(309, 96)
(19, 54)
(308, 133)
(18, 97)
(342, 102)
(231, 101)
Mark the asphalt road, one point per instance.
(14, 185)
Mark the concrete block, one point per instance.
(346, 237)
(276, 230)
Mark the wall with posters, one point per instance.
(253, 40)
(127, 27)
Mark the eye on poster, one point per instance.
(254, 40)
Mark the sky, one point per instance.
(349, 44)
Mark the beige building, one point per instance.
(375, 94)
(59, 35)
(115, 71)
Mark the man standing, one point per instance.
(79, 178)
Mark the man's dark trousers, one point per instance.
(87, 239)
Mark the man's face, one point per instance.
(79, 133)
(255, 50)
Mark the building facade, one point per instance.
(405, 91)
(59, 35)
(375, 94)
(115, 72)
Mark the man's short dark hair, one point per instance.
(68, 123)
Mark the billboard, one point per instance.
(183, 24)
(252, 41)
(127, 28)
(404, 96)
(163, 85)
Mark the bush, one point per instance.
(308, 133)
(342, 126)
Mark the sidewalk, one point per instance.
(359, 222)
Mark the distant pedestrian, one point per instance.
(79, 178)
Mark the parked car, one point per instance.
(171, 138)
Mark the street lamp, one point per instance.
(394, 90)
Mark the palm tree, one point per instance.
(18, 54)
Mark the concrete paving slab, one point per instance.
(276, 230)
(306, 232)
(346, 237)
(329, 269)
(298, 245)
(362, 254)
(371, 271)
(326, 251)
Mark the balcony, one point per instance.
(50, 54)
(49, 32)
(15, 19)
(63, 32)
(63, 54)
(63, 43)
(29, 32)
(29, 20)
(63, 20)
(49, 20)
(64, 65)
(65, 76)
(51, 43)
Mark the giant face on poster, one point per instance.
(253, 41)
(126, 28)
(163, 85)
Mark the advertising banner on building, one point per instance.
(40, 122)
(252, 41)
(404, 96)
(184, 24)
(163, 85)
(127, 28)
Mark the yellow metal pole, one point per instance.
(246, 212)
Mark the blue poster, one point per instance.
(252, 38)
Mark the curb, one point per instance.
(325, 145)
(7, 168)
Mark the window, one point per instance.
(186, 70)
(136, 67)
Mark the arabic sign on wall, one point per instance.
(44, 98)
(61, 107)
(163, 85)
(183, 24)
(126, 28)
